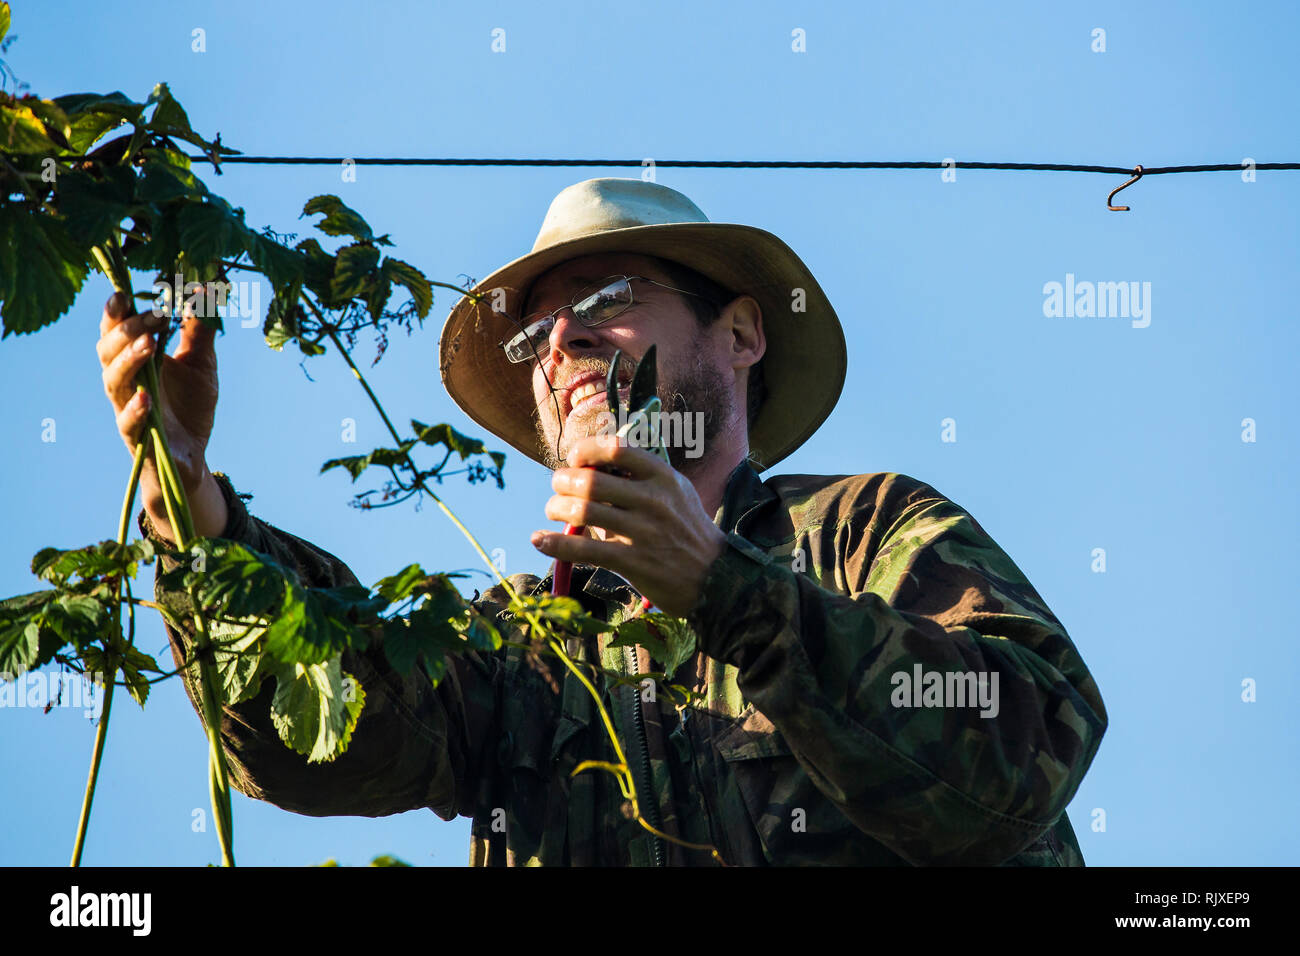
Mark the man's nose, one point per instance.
(570, 336)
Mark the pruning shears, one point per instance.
(640, 428)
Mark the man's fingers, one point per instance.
(610, 450)
(122, 333)
(119, 375)
(576, 548)
(598, 486)
(117, 307)
(580, 511)
(131, 419)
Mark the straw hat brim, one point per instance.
(804, 366)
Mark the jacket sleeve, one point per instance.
(928, 592)
(414, 746)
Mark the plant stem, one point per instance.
(101, 732)
(113, 264)
(183, 532)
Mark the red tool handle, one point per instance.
(560, 583)
(564, 569)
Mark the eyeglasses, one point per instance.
(592, 306)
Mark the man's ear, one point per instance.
(745, 318)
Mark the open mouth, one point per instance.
(591, 396)
(589, 393)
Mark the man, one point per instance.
(878, 683)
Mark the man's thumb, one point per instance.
(195, 338)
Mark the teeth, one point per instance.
(586, 390)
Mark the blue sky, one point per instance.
(1072, 433)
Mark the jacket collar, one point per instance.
(745, 493)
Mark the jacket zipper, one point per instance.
(638, 719)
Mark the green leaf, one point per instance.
(312, 712)
(435, 668)
(377, 297)
(162, 252)
(283, 316)
(57, 125)
(405, 639)
(480, 633)
(318, 267)
(92, 209)
(318, 623)
(354, 271)
(20, 643)
(168, 116)
(436, 626)
(563, 612)
(340, 220)
(211, 230)
(79, 620)
(26, 641)
(237, 582)
(95, 560)
(240, 663)
(287, 321)
(386, 860)
(414, 280)
(355, 464)
(310, 348)
(91, 115)
(4, 19)
(429, 629)
(134, 664)
(281, 265)
(162, 181)
(399, 586)
(41, 269)
(21, 131)
(384, 457)
(670, 640)
(24, 604)
(34, 628)
(446, 435)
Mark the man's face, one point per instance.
(692, 374)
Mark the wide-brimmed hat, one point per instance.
(805, 362)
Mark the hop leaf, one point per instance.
(341, 220)
(670, 640)
(41, 270)
(315, 708)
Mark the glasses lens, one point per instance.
(602, 301)
(532, 342)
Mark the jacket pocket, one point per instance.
(565, 731)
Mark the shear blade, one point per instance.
(611, 384)
(643, 381)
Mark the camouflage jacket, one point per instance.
(816, 738)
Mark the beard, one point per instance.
(700, 390)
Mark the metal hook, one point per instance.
(1137, 174)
